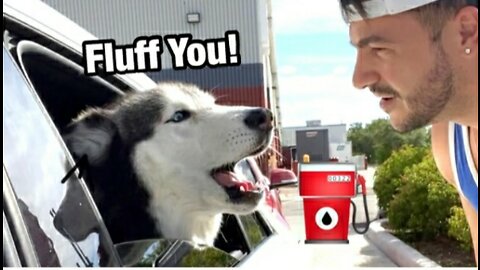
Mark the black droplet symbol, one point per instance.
(327, 219)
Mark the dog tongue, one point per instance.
(229, 179)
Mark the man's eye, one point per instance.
(378, 49)
(179, 116)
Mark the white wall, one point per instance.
(342, 151)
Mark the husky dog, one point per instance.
(160, 162)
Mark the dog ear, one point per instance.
(91, 135)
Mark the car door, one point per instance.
(35, 160)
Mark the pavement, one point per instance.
(376, 248)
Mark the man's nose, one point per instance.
(365, 73)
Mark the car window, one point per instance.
(242, 169)
(254, 230)
(36, 161)
(60, 83)
(231, 238)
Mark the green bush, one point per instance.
(458, 228)
(388, 175)
(422, 205)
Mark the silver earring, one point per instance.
(468, 50)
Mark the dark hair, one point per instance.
(347, 11)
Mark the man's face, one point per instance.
(399, 63)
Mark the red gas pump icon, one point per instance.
(327, 190)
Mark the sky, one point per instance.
(315, 63)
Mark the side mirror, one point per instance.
(282, 178)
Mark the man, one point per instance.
(420, 57)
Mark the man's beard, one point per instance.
(429, 99)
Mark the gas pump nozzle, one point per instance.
(361, 181)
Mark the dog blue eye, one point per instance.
(179, 116)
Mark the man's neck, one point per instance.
(468, 104)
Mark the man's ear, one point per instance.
(467, 21)
(91, 135)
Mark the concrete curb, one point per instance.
(400, 253)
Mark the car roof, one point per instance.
(50, 22)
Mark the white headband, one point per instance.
(379, 8)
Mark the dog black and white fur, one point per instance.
(160, 162)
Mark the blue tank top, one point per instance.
(463, 167)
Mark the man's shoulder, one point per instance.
(440, 149)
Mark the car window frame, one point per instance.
(27, 247)
(22, 243)
(10, 254)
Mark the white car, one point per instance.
(44, 88)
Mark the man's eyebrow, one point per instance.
(365, 41)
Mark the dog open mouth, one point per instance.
(238, 190)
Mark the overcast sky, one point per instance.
(315, 62)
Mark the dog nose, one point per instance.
(261, 119)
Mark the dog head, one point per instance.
(181, 145)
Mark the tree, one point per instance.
(378, 139)
(361, 142)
